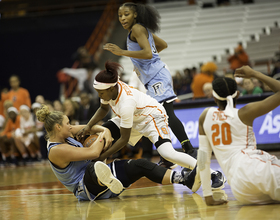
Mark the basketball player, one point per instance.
(141, 21)
(254, 175)
(137, 115)
(72, 163)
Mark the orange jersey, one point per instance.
(198, 82)
(19, 97)
(11, 127)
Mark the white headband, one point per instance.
(36, 105)
(103, 86)
(24, 107)
(229, 108)
(12, 109)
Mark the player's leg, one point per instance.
(161, 88)
(178, 129)
(98, 177)
(135, 169)
(166, 150)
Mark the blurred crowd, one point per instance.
(22, 136)
(198, 83)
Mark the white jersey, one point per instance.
(142, 113)
(24, 125)
(254, 175)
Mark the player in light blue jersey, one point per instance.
(73, 164)
(143, 47)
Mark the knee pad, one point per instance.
(145, 164)
(90, 172)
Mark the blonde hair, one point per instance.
(50, 118)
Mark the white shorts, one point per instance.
(152, 129)
(256, 178)
(27, 139)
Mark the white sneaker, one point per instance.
(105, 176)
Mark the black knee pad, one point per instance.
(145, 164)
(90, 173)
(91, 180)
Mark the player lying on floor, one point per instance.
(72, 163)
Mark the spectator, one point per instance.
(187, 80)
(257, 83)
(276, 70)
(57, 105)
(239, 58)
(7, 137)
(207, 90)
(249, 88)
(70, 109)
(40, 131)
(82, 57)
(18, 95)
(207, 75)
(7, 104)
(177, 82)
(87, 108)
(49, 104)
(25, 136)
(2, 99)
(40, 99)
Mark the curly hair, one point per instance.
(50, 118)
(224, 87)
(146, 15)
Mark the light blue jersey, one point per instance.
(152, 72)
(72, 175)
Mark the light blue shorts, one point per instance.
(161, 87)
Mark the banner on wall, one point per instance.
(266, 127)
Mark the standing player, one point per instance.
(254, 175)
(143, 46)
(137, 115)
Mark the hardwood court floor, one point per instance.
(33, 192)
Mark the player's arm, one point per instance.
(101, 112)
(95, 129)
(248, 113)
(139, 34)
(119, 144)
(159, 43)
(203, 164)
(126, 114)
(61, 155)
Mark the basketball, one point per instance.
(90, 140)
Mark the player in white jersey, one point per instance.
(137, 115)
(73, 164)
(254, 175)
(143, 47)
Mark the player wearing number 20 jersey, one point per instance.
(254, 175)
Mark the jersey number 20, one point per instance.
(221, 133)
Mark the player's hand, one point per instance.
(106, 134)
(83, 132)
(211, 202)
(113, 48)
(245, 72)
